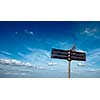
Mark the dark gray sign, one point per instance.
(68, 55)
(78, 56)
(60, 54)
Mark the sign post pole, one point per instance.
(69, 63)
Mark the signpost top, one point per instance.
(68, 55)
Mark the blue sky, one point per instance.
(30, 43)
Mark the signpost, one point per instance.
(68, 55)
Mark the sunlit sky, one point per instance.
(30, 43)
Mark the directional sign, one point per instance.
(60, 54)
(78, 56)
(68, 55)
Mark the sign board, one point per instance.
(59, 54)
(68, 55)
(78, 56)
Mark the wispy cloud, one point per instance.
(93, 58)
(26, 31)
(6, 53)
(94, 70)
(52, 64)
(29, 32)
(79, 50)
(21, 54)
(30, 49)
(94, 53)
(91, 32)
(81, 64)
(38, 55)
(14, 62)
(16, 33)
(42, 58)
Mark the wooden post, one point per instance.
(69, 63)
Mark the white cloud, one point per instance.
(93, 58)
(28, 32)
(94, 54)
(81, 64)
(91, 32)
(16, 33)
(6, 53)
(31, 33)
(81, 50)
(40, 57)
(86, 31)
(93, 62)
(94, 70)
(51, 64)
(21, 54)
(30, 49)
(14, 62)
(28, 64)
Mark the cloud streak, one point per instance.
(52, 64)
(79, 50)
(38, 55)
(13, 62)
(6, 53)
(81, 64)
(21, 54)
(91, 32)
(29, 32)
